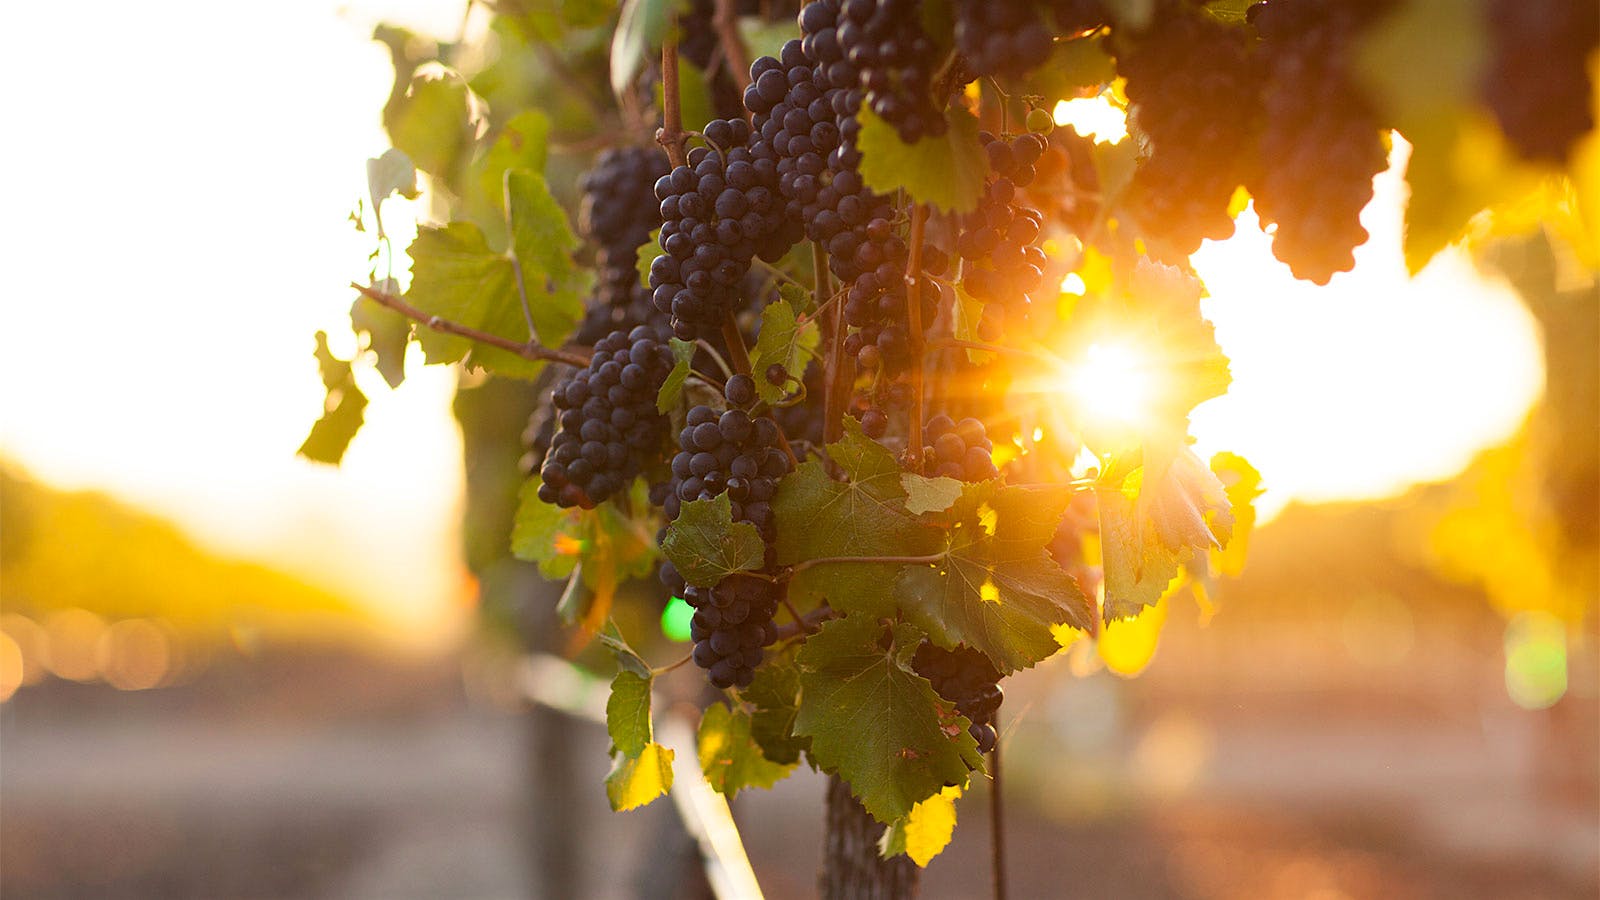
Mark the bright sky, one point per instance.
(174, 246)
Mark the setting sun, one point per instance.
(1111, 386)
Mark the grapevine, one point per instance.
(809, 361)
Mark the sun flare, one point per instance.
(1111, 386)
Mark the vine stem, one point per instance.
(734, 338)
(671, 135)
(840, 371)
(807, 623)
(531, 350)
(672, 665)
(997, 822)
(945, 343)
(900, 560)
(919, 221)
(726, 22)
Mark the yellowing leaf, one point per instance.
(730, 757)
(1127, 646)
(926, 831)
(636, 780)
(1242, 483)
(1148, 532)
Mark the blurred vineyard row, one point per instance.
(93, 591)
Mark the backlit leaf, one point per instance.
(672, 388)
(946, 172)
(730, 757)
(635, 781)
(997, 588)
(925, 831)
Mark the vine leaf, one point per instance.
(997, 589)
(925, 831)
(1151, 521)
(642, 769)
(610, 545)
(706, 545)
(945, 171)
(342, 412)
(1242, 485)
(543, 242)
(672, 389)
(1076, 67)
(968, 313)
(645, 255)
(627, 657)
(927, 495)
(874, 722)
(781, 342)
(391, 173)
(640, 30)
(456, 275)
(775, 696)
(1423, 64)
(730, 757)
(436, 122)
(628, 713)
(387, 332)
(817, 517)
(523, 143)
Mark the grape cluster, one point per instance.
(958, 450)
(608, 427)
(1321, 142)
(736, 454)
(1194, 94)
(617, 212)
(718, 212)
(895, 58)
(966, 678)
(1011, 37)
(996, 241)
(1537, 80)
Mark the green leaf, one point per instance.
(523, 143)
(775, 695)
(729, 757)
(781, 342)
(672, 389)
(635, 781)
(925, 495)
(945, 171)
(647, 253)
(342, 412)
(1076, 67)
(628, 658)
(391, 173)
(997, 589)
(764, 38)
(874, 722)
(387, 332)
(545, 534)
(628, 713)
(706, 545)
(924, 832)
(454, 275)
(543, 243)
(436, 122)
(818, 517)
(640, 30)
(968, 313)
